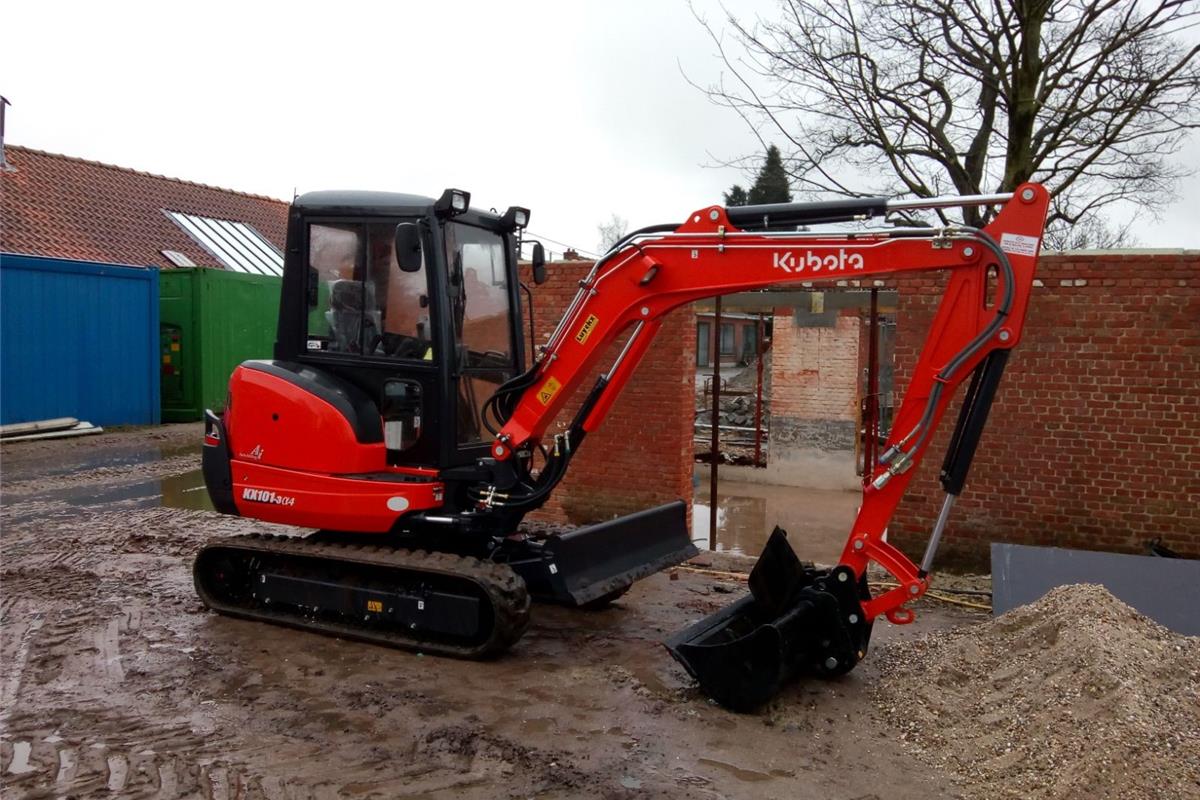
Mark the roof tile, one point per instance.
(64, 207)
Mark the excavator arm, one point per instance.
(719, 251)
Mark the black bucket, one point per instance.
(796, 619)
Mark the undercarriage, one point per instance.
(469, 601)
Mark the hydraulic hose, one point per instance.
(1003, 306)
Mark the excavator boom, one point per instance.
(719, 251)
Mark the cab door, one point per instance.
(486, 349)
(373, 326)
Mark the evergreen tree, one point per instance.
(771, 185)
(736, 196)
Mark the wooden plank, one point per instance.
(82, 429)
(20, 428)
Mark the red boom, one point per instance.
(708, 256)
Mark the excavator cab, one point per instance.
(412, 304)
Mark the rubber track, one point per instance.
(504, 588)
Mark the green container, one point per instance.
(210, 321)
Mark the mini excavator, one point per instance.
(399, 417)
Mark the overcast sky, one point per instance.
(576, 110)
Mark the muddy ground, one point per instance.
(116, 681)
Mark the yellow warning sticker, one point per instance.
(548, 390)
(586, 330)
(375, 605)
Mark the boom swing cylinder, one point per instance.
(797, 617)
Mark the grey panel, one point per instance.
(815, 319)
(1165, 589)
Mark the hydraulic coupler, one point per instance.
(795, 619)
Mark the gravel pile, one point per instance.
(1074, 696)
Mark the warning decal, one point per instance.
(586, 330)
(548, 390)
(1019, 245)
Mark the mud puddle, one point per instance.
(17, 468)
(817, 521)
(185, 490)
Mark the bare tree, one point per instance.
(928, 97)
(1090, 233)
(612, 232)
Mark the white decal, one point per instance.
(1019, 245)
(816, 262)
(397, 503)
(267, 496)
(831, 262)
(785, 262)
(256, 454)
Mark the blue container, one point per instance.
(78, 339)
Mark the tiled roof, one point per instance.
(54, 205)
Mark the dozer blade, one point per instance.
(601, 561)
(796, 619)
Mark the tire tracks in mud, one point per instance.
(100, 615)
(119, 756)
(116, 682)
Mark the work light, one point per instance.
(515, 217)
(452, 203)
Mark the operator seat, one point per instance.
(353, 317)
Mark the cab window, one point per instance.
(481, 315)
(479, 298)
(360, 301)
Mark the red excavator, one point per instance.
(399, 418)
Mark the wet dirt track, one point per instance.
(115, 681)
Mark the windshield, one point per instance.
(479, 299)
(482, 321)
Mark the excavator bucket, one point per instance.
(797, 618)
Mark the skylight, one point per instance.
(177, 258)
(236, 245)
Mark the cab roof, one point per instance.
(348, 201)
(364, 202)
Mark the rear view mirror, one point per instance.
(539, 263)
(408, 247)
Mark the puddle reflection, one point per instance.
(185, 491)
(817, 520)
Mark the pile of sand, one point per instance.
(1074, 696)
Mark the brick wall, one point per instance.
(1094, 439)
(814, 376)
(641, 456)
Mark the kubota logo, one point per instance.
(809, 261)
(267, 496)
